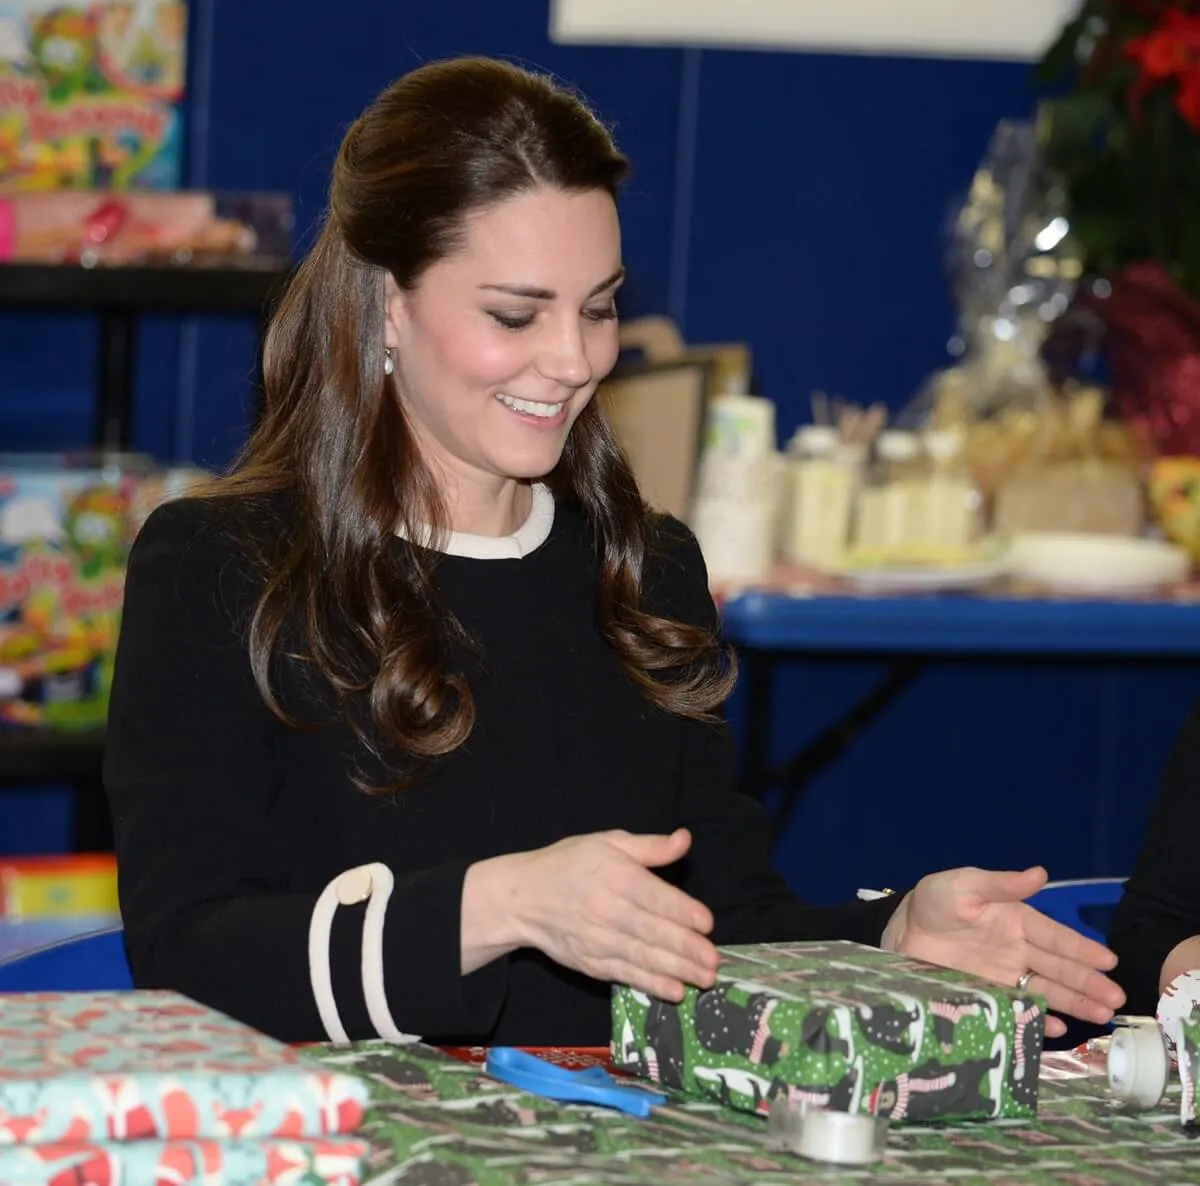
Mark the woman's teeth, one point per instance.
(530, 408)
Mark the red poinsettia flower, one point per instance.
(1187, 98)
(1169, 50)
(1153, 9)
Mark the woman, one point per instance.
(1156, 927)
(414, 725)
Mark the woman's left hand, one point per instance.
(978, 922)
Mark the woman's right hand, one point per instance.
(592, 903)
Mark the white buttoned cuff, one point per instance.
(372, 884)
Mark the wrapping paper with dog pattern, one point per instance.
(841, 1026)
(334, 1161)
(438, 1121)
(127, 1066)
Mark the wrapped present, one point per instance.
(334, 1161)
(130, 1066)
(1188, 1053)
(841, 1026)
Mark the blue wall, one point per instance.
(792, 200)
(795, 201)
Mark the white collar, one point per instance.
(527, 538)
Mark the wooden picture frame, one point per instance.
(657, 412)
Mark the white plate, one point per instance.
(1096, 564)
(925, 578)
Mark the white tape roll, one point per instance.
(1138, 1064)
(841, 1138)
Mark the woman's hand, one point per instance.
(592, 904)
(978, 922)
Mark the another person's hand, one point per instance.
(1183, 957)
(592, 903)
(978, 922)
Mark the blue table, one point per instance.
(20, 938)
(912, 631)
(976, 626)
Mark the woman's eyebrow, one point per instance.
(533, 293)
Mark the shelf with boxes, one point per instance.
(123, 255)
(67, 522)
(119, 257)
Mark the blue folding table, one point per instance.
(911, 631)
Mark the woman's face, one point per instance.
(499, 346)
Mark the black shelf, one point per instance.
(47, 755)
(118, 296)
(142, 289)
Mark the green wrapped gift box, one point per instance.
(841, 1026)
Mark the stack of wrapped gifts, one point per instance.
(150, 1087)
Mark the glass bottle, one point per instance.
(952, 514)
(889, 509)
(825, 475)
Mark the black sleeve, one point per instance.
(1161, 904)
(729, 867)
(209, 904)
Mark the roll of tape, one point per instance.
(841, 1138)
(1138, 1064)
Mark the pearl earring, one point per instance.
(389, 363)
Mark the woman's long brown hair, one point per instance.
(448, 139)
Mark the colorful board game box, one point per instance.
(840, 1026)
(90, 94)
(65, 532)
(64, 541)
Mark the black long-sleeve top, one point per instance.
(229, 823)
(1161, 904)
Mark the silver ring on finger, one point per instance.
(1023, 981)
